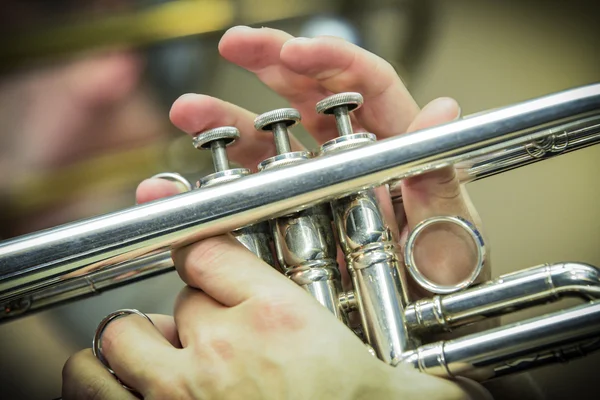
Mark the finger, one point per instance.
(304, 71)
(129, 344)
(194, 113)
(195, 313)
(167, 327)
(157, 188)
(340, 66)
(258, 51)
(85, 378)
(444, 253)
(228, 272)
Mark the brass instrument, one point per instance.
(303, 197)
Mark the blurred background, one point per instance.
(85, 90)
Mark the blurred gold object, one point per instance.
(114, 169)
(131, 29)
(153, 24)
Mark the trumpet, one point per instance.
(301, 206)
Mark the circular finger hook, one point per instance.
(174, 177)
(411, 265)
(96, 342)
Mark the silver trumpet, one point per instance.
(302, 206)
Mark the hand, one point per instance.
(304, 71)
(248, 333)
(241, 329)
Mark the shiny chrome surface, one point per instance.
(561, 139)
(304, 241)
(415, 272)
(509, 293)
(257, 237)
(554, 337)
(66, 288)
(306, 248)
(298, 196)
(215, 210)
(368, 245)
(372, 261)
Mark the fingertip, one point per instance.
(229, 35)
(292, 52)
(444, 107)
(297, 41)
(235, 30)
(157, 188)
(184, 113)
(439, 111)
(180, 102)
(184, 98)
(252, 48)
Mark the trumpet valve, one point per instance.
(304, 240)
(216, 140)
(341, 105)
(278, 122)
(257, 237)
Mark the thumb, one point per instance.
(159, 186)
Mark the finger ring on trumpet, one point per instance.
(96, 342)
(175, 177)
(409, 257)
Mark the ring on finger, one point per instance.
(174, 177)
(96, 342)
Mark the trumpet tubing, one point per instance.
(299, 203)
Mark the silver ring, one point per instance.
(96, 342)
(409, 257)
(174, 177)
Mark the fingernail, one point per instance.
(240, 28)
(182, 184)
(298, 40)
(459, 114)
(182, 188)
(447, 104)
(187, 96)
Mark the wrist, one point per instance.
(384, 382)
(381, 381)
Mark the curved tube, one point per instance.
(512, 292)
(517, 347)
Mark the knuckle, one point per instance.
(193, 263)
(73, 364)
(171, 386)
(443, 185)
(87, 387)
(112, 332)
(275, 313)
(95, 389)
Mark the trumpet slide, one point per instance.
(303, 200)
